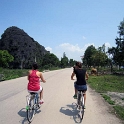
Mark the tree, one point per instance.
(71, 62)
(5, 58)
(64, 61)
(99, 57)
(95, 57)
(50, 60)
(88, 60)
(118, 51)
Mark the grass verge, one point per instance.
(12, 73)
(7, 74)
(108, 99)
(106, 83)
(119, 111)
(111, 83)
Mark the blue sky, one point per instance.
(68, 26)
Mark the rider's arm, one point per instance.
(72, 76)
(86, 76)
(28, 77)
(28, 74)
(41, 76)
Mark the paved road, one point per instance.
(59, 106)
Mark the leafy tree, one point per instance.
(88, 59)
(95, 57)
(5, 58)
(50, 60)
(64, 61)
(99, 57)
(118, 51)
(71, 62)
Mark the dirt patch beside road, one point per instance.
(117, 97)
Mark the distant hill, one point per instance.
(22, 47)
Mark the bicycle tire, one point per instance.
(30, 110)
(82, 106)
(78, 98)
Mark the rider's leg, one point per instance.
(84, 99)
(41, 94)
(75, 91)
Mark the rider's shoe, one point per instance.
(41, 102)
(75, 96)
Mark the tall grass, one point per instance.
(106, 83)
(7, 74)
(12, 73)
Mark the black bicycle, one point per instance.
(80, 102)
(32, 105)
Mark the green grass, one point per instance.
(111, 83)
(108, 99)
(13, 73)
(54, 68)
(106, 83)
(119, 111)
(8, 74)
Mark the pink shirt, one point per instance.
(34, 83)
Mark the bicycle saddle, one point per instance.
(32, 93)
(81, 90)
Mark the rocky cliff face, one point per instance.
(22, 47)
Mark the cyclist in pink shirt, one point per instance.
(34, 77)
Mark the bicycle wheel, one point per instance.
(30, 110)
(82, 107)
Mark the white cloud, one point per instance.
(107, 44)
(49, 49)
(70, 47)
(89, 44)
(72, 51)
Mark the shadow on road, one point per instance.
(23, 114)
(72, 111)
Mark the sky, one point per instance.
(68, 26)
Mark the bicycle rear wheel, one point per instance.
(30, 110)
(82, 107)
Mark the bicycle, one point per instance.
(32, 105)
(80, 102)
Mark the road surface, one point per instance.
(59, 106)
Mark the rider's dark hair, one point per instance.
(35, 66)
(79, 64)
